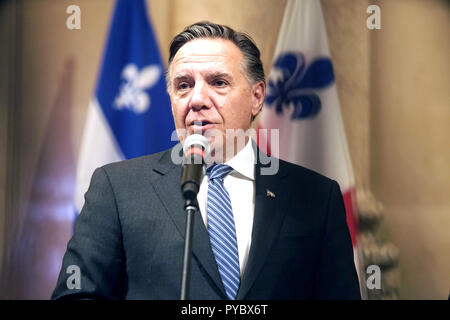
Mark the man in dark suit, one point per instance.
(285, 236)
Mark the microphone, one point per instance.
(196, 148)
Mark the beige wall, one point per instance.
(410, 153)
(349, 42)
(393, 86)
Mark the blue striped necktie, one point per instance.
(221, 229)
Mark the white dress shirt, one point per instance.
(240, 184)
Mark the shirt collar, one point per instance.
(244, 161)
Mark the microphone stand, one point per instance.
(196, 147)
(191, 207)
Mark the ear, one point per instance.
(258, 95)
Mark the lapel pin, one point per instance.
(270, 193)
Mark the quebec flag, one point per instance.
(303, 104)
(129, 115)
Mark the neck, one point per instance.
(228, 150)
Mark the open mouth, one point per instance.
(200, 126)
(200, 123)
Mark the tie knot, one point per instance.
(218, 171)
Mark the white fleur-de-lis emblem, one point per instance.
(132, 93)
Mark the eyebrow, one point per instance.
(218, 74)
(208, 75)
(180, 77)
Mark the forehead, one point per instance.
(207, 53)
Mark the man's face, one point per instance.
(209, 88)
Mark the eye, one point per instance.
(220, 83)
(183, 86)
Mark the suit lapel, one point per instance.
(168, 190)
(270, 207)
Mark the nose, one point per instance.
(200, 98)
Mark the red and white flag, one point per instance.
(302, 102)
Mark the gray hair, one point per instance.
(253, 66)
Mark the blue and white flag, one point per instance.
(302, 103)
(129, 115)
